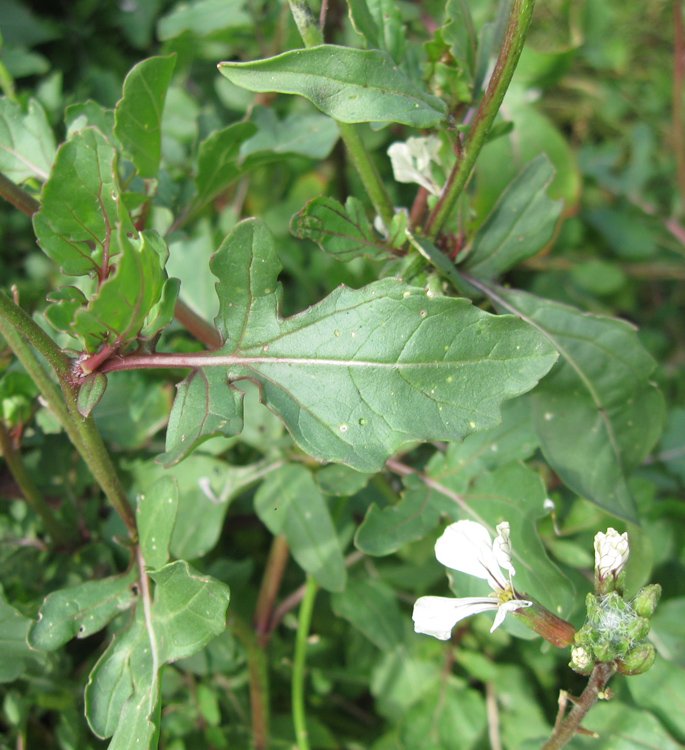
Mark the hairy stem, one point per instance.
(312, 36)
(564, 732)
(519, 21)
(259, 679)
(58, 531)
(298, 686)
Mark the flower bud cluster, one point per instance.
(616, 630)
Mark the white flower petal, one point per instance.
(611, 553)
(505, 608)
(501, 548)
(437, 615)
(411, 163)
(466, 546)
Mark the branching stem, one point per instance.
(519, 21)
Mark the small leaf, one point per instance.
(458, 31)
(124, 301)
(218, 161)
(597, 415)
(84, 114)
(81, 610)
(290, 503)
(339, 480)
(341, 231)
(90, 391)
(138, 114)
(81, 206)
(371, 606)
(520, 225)
(156, 517)
(348, 84)
(391, 31)
(27, 143)
(205, 405)
(203, 18)
(363, 22)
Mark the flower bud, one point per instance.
(638, 660)
(638, 629)
(581, 660)
(611, 553)
(646, 599)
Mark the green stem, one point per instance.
(312, 36)
(16, 324)
(519, 21)
(259, 679)
(565, 730)
(57, 530)
(298, 686)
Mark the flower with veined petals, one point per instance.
(466, 546)
(611, 554)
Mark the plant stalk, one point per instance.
(259, 679)
(298, 684)
(279, 554)
(312, 36)
(519, 21)
(678, 118)
(58, 531)
(564, 732)
(17, 196)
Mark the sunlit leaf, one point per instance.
(27, 143)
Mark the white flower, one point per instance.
(611, 553)
(466, 546)
(411, 161)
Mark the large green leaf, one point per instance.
(520, 225)
(138, 114)
(366, 370)
(597, 415)
(27, 143)
(342, 231)
(122, 696)
(289, 502)
(81, 610)
(348, 84)
(81, 207)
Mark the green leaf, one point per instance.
(312, 136)
(27, 143)
(82, 610)
(600, 391)
(371, 606)
(383, 532)
(122, 695)
(84, 114)
(289, 502)
(350, 85)
(341, 231)
(662, 690)
(363, 22)
(156, 517)
(81, 207)
(520, 225)
(367, 370)
(90, 391)
(206, 405)
(339, 480)
(667, 630)
(14, 650)
(218, 161)
(391, 31)
(138, 114)
(125, 302)
(203, 18)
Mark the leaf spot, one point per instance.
(449, 378)
(472, 425)
(406, 294)
(423, 314)
(337, 333)
(549, 416)
(353, 334)
(265, 348)
(362, 421)
(343, 428)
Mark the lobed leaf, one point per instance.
(365, 371)
(341, 231)
(82, 610)
(348, 84)
(138, 114)
(597, 416)
(521, 224)
(289, 502)
(27, 143)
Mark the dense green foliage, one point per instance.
(242, 393)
